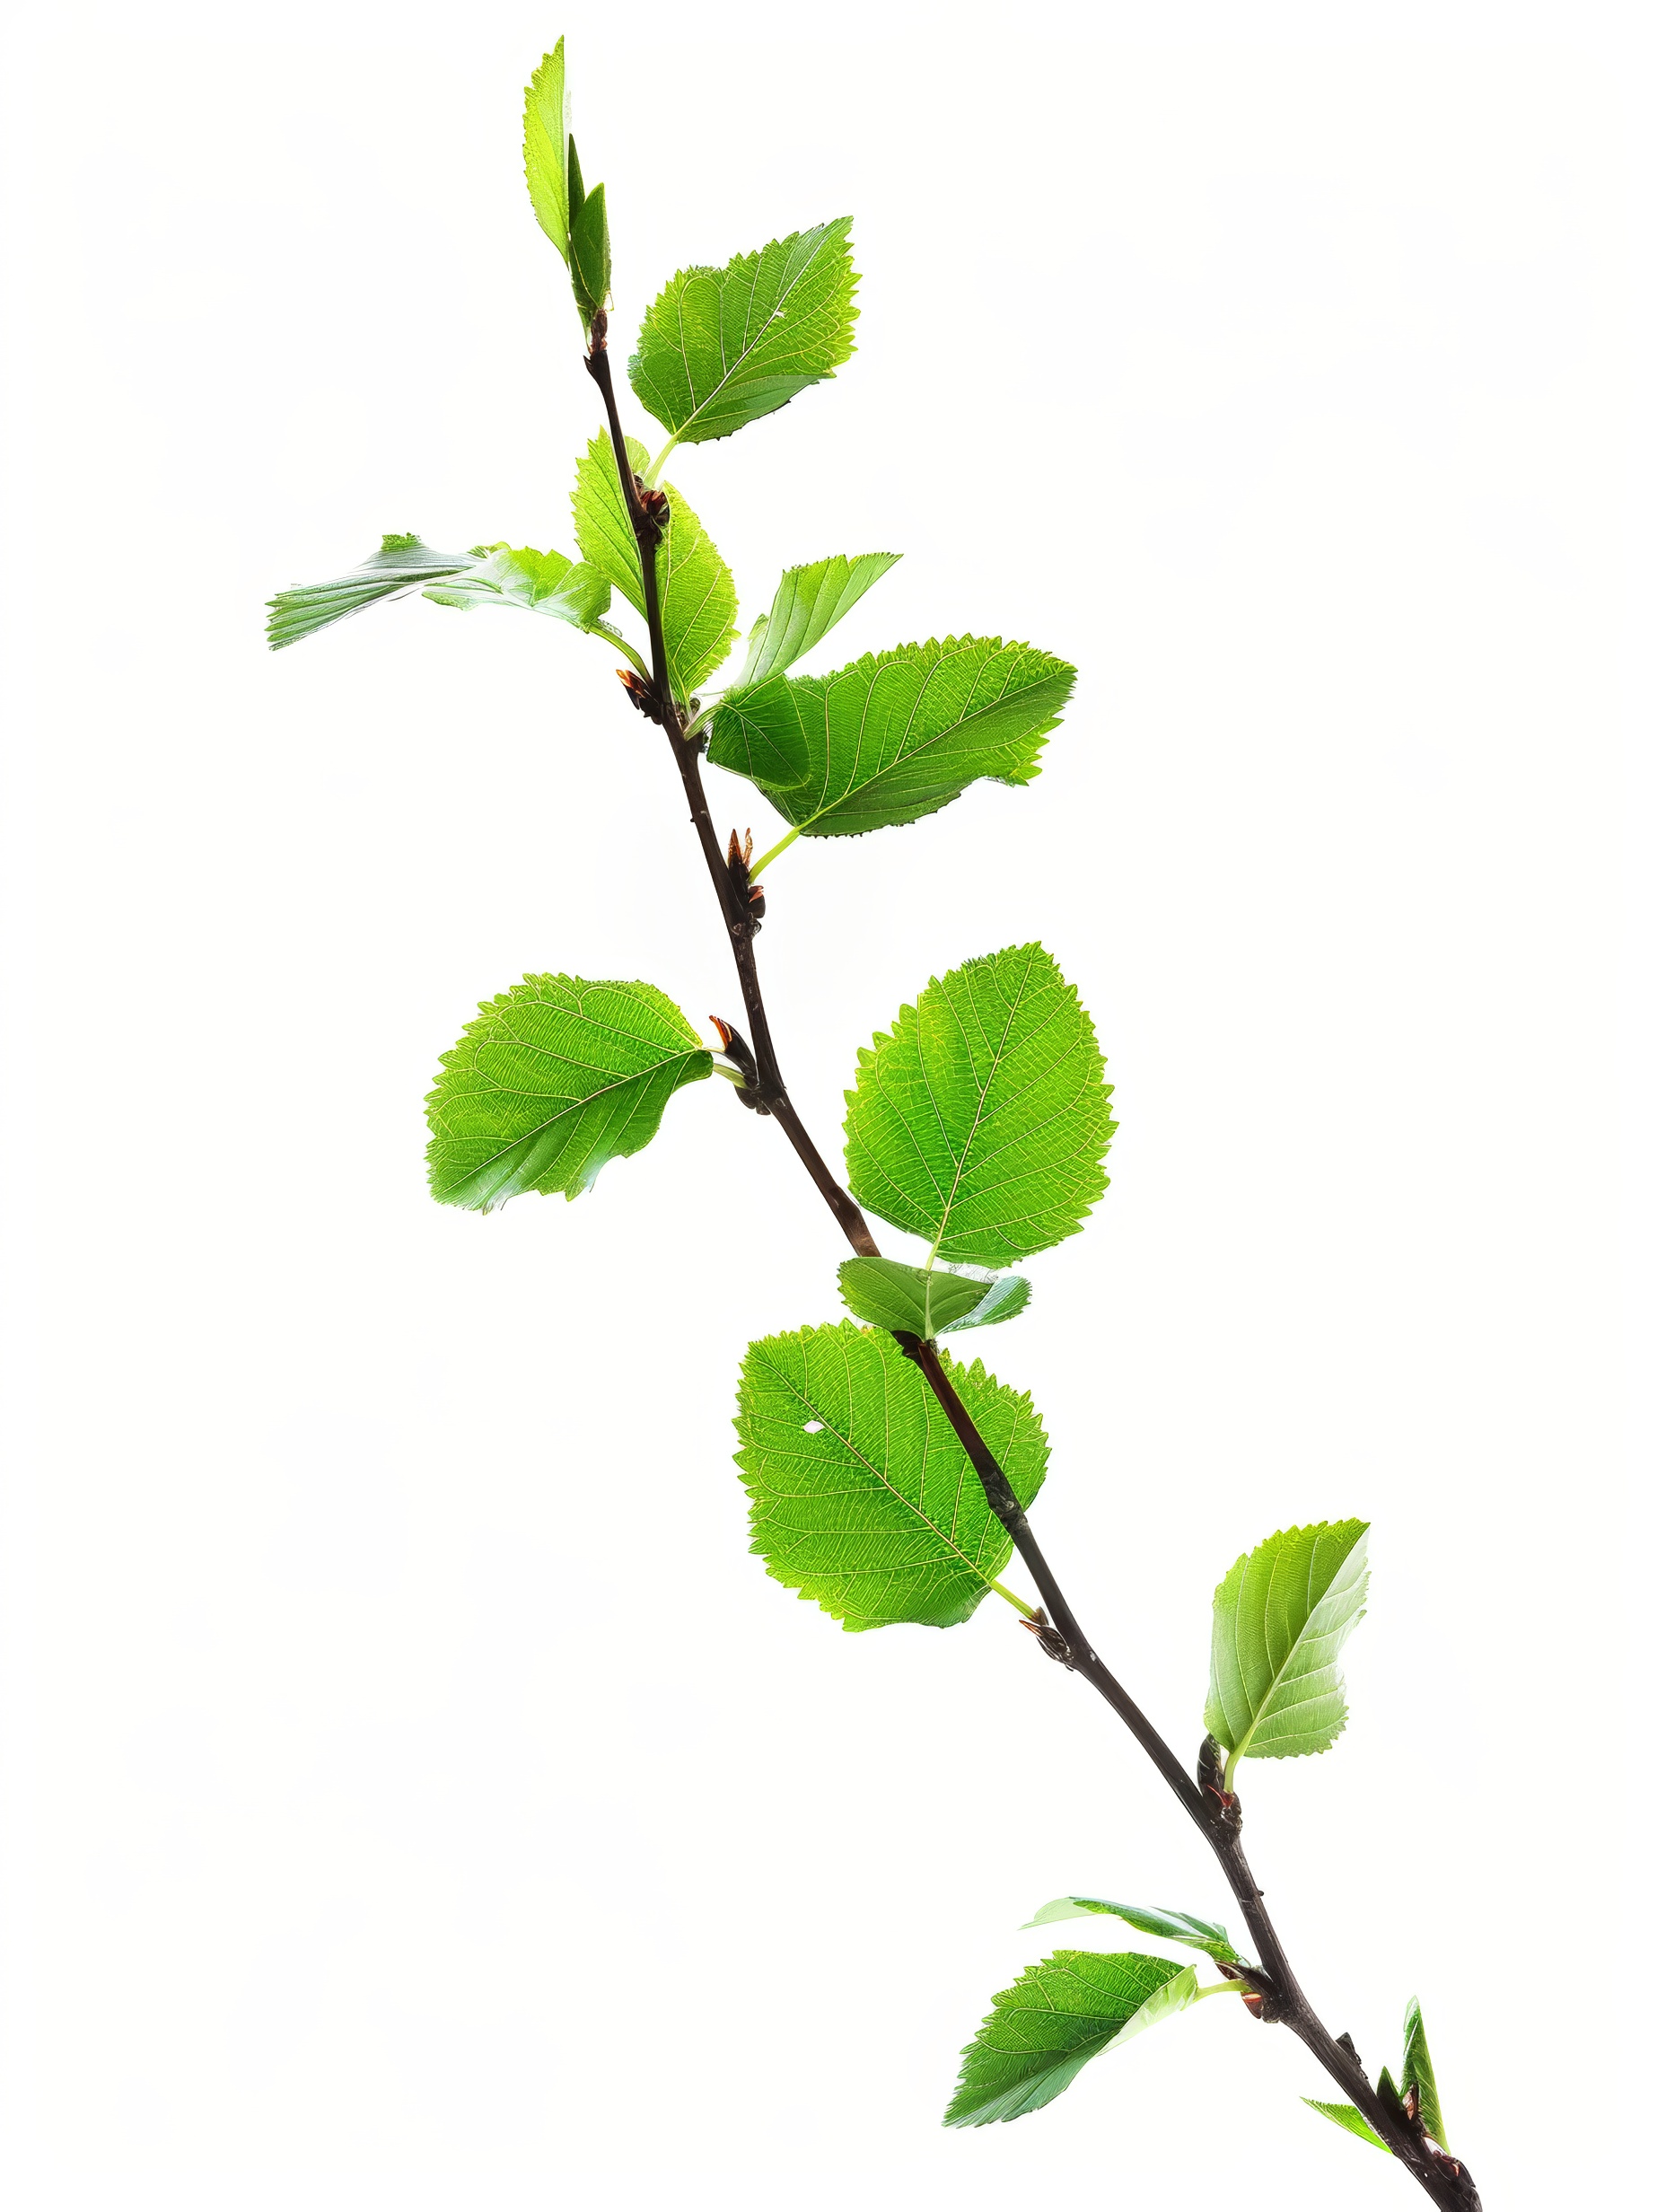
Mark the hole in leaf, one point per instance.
(812, 1428)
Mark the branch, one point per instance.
(1277, 1996)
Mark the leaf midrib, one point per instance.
(1259, 1710)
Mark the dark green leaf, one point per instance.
(1345, 2116)
(1281, 1618)
(593, 253)
(402, 564)
(1180, 1927)
(1055, 2018)
(1417, 2073)
(861, 1496)
(544, 582)
(555, 1078)
(808, 601)
(980, 1121)
(545, 141)
(720, 347)
(896, 735)
(927, 1302)
(696, 591)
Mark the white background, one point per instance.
(416, 1795)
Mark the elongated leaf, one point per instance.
(1180, 1927)
(401, 563)
(593, 253)
(1281, 1618)
(554, 1078)
(1055, 2018)
(697, 591)
(1345, 2116)
(720, 347)
(543, 582)
(981, 1120)
(896, 735)
(808, 601)
(928, 1303)
(862, 1496)
(1417, 2073)
(545, 136)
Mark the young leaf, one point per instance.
(554, 1078)
(1180, 1927)
(896, 735)
(546, 134)
(927, 1302)
(544, 583)
(720, 347)
(1417, 2073)
(401, 563)
(1055, 2018)
(808, 601)
(697, 591)
(981, 1120)
(593, 253)
(1345, 2116)
(1281, 1617)
(862, 1496)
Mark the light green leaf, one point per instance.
(401, 563)
(1345, 2116)
(544, 583)
(554, 1078)
(862, 1499)
(696, 591)
(1281, 1617)
(896, 735)
(808, 601)
(720, 347)
(1417, 2073)
(1055, 2018)
(545, 136)
(927, 1301)
(979, 1122)
(593, 253)
(1180, 1927)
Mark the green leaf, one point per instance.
(555, 1078)
(1281, 1617)
(979, 1122)
(896, 735)
(592, 254)
(696, 591)
(1055, 2018)
(544, 582)
(1417, 2073)
(401, 563)
(1180, 1927)
(720, 347)
(545, 137)
(1345, 2116)
(808, 601)
(927, 1301)
(862, 1496)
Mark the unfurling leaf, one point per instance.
(1417, 2077)
(720, 347)
(592, 254)
(1281, 1618)
(554, 1078)
(808, 601)
(401, 563)
(697, 591)
(1180, 1927)
(927, 1301)
(862, 1496)
(1055, 2018)
(1345, 2116)
(545, 140)
(896, 735)
(544, 582)
(980, 1121)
